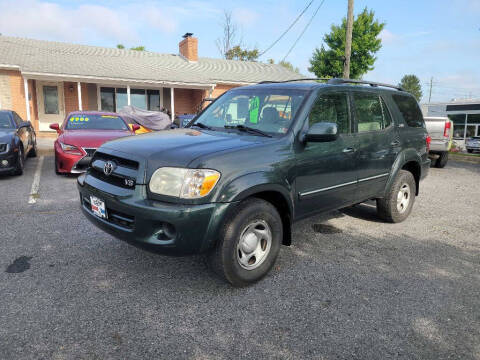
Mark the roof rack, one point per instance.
(338, 81)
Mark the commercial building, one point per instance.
(44, 80)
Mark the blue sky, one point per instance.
(439, 39)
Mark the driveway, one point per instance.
(350, 286)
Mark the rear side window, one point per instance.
(331, 107)
(410, 111)
(371, 111)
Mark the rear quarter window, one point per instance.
(410, 111)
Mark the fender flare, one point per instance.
(404, 157)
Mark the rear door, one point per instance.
(326, 177)
(378, 142)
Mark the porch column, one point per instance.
(161, 99)
(27, 103)
(79, 90)
(128, 95)
(172, 104)
(465, 130)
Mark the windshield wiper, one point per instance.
(247, 129)
(201, 126)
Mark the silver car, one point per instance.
(473, 144)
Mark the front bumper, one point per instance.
(70, 163)
(11, 157)
(142, 222)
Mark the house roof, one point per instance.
(37, 57)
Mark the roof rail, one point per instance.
(286, 81)
(338, 81)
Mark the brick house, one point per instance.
(44, 80)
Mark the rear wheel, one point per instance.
(442, 160)
(249, 243)
(33, 151)
(20, 162)
(398, 202)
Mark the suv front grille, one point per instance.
(124, 175)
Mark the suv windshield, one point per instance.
(6, 121)
(270, 111)
(95, 122)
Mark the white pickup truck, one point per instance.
(440, 130)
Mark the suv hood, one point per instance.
(179, 147)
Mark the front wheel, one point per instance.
(20, 162)
(398, 202)
(249, 243)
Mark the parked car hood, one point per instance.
(90, 138)
(179, 147)
(6, 135)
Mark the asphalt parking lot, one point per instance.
(349, 287)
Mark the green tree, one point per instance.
(237, 53)
(328, 62)
(137, 48)
(411, 83)
(289, 66)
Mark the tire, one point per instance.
(33, 151)
(56, 166)
(254, 224)
(20, 162)
(392, 208)
(442, 160)
(470, 150)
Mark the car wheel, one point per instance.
(56, 166)
(20, 162)
(442, 160)
(398, 202)
(33, 151)
(249, 243)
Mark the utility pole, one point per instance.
(430, 94)
(348, 41)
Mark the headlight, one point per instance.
(183, 183)
(70, 148)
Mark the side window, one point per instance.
(331, 107)
(410, 111)
(18, 120)
(372, 113)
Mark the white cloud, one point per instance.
(45, 20)
(387, 36)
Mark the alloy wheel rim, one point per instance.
(403, 198)
(254, 244)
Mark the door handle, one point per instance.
(395, 143)
(348, 150)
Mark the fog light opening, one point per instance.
(166, 232)
(4, 163)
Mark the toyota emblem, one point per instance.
(109, 167)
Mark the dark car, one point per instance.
(252, 163)
(17, 140)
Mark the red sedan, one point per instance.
(81, 133)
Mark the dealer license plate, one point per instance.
(98, 207)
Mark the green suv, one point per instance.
(258, 159)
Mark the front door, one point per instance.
(51, 107)
(326, 171)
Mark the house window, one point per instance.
(153, 97)
(138, 98)
(107, 98)
(121, 98)
(50, 99)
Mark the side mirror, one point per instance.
(322, 131)
(135, 127)
(55, 127)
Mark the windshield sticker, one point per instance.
(253, 109)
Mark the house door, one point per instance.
(51, 107)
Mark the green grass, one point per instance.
(465, 154)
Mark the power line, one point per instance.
(288, 29)
(303, 31)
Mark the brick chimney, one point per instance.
(188, 47)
